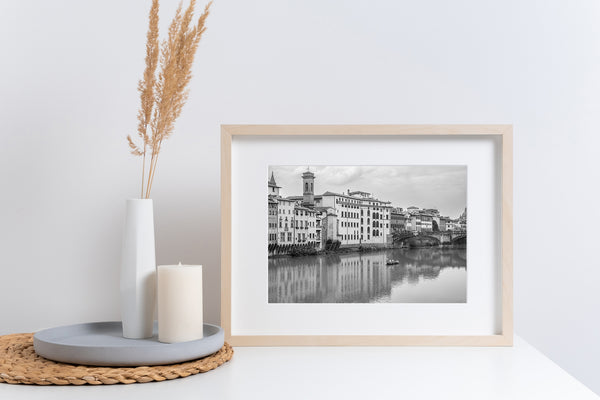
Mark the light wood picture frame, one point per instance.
(503, 334)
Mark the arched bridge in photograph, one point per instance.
(446, 237)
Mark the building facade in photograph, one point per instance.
(417, 220)
(361, 218)
(397, 220)
(272, 221)
(291, 222)
(285, 221)
(352, 218)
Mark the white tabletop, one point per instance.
(364, 373)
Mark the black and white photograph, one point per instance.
(367, 234)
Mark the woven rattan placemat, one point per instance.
(20, 364)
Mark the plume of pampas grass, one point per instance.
(163, 96)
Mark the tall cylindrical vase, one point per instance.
(138, 270)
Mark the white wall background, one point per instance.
(68, 74)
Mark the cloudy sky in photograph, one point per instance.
(425, 186)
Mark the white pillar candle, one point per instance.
(179, 303)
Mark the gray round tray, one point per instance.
(103, 344)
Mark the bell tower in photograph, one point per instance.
(308, 190)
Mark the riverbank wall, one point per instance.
(307, 250)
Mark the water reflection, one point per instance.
(426, 275)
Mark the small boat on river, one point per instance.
(392, 262)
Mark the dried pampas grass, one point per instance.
(163, 96)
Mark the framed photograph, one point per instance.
(366, 235)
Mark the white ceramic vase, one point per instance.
(138, 270)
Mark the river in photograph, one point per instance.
(422, 275)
